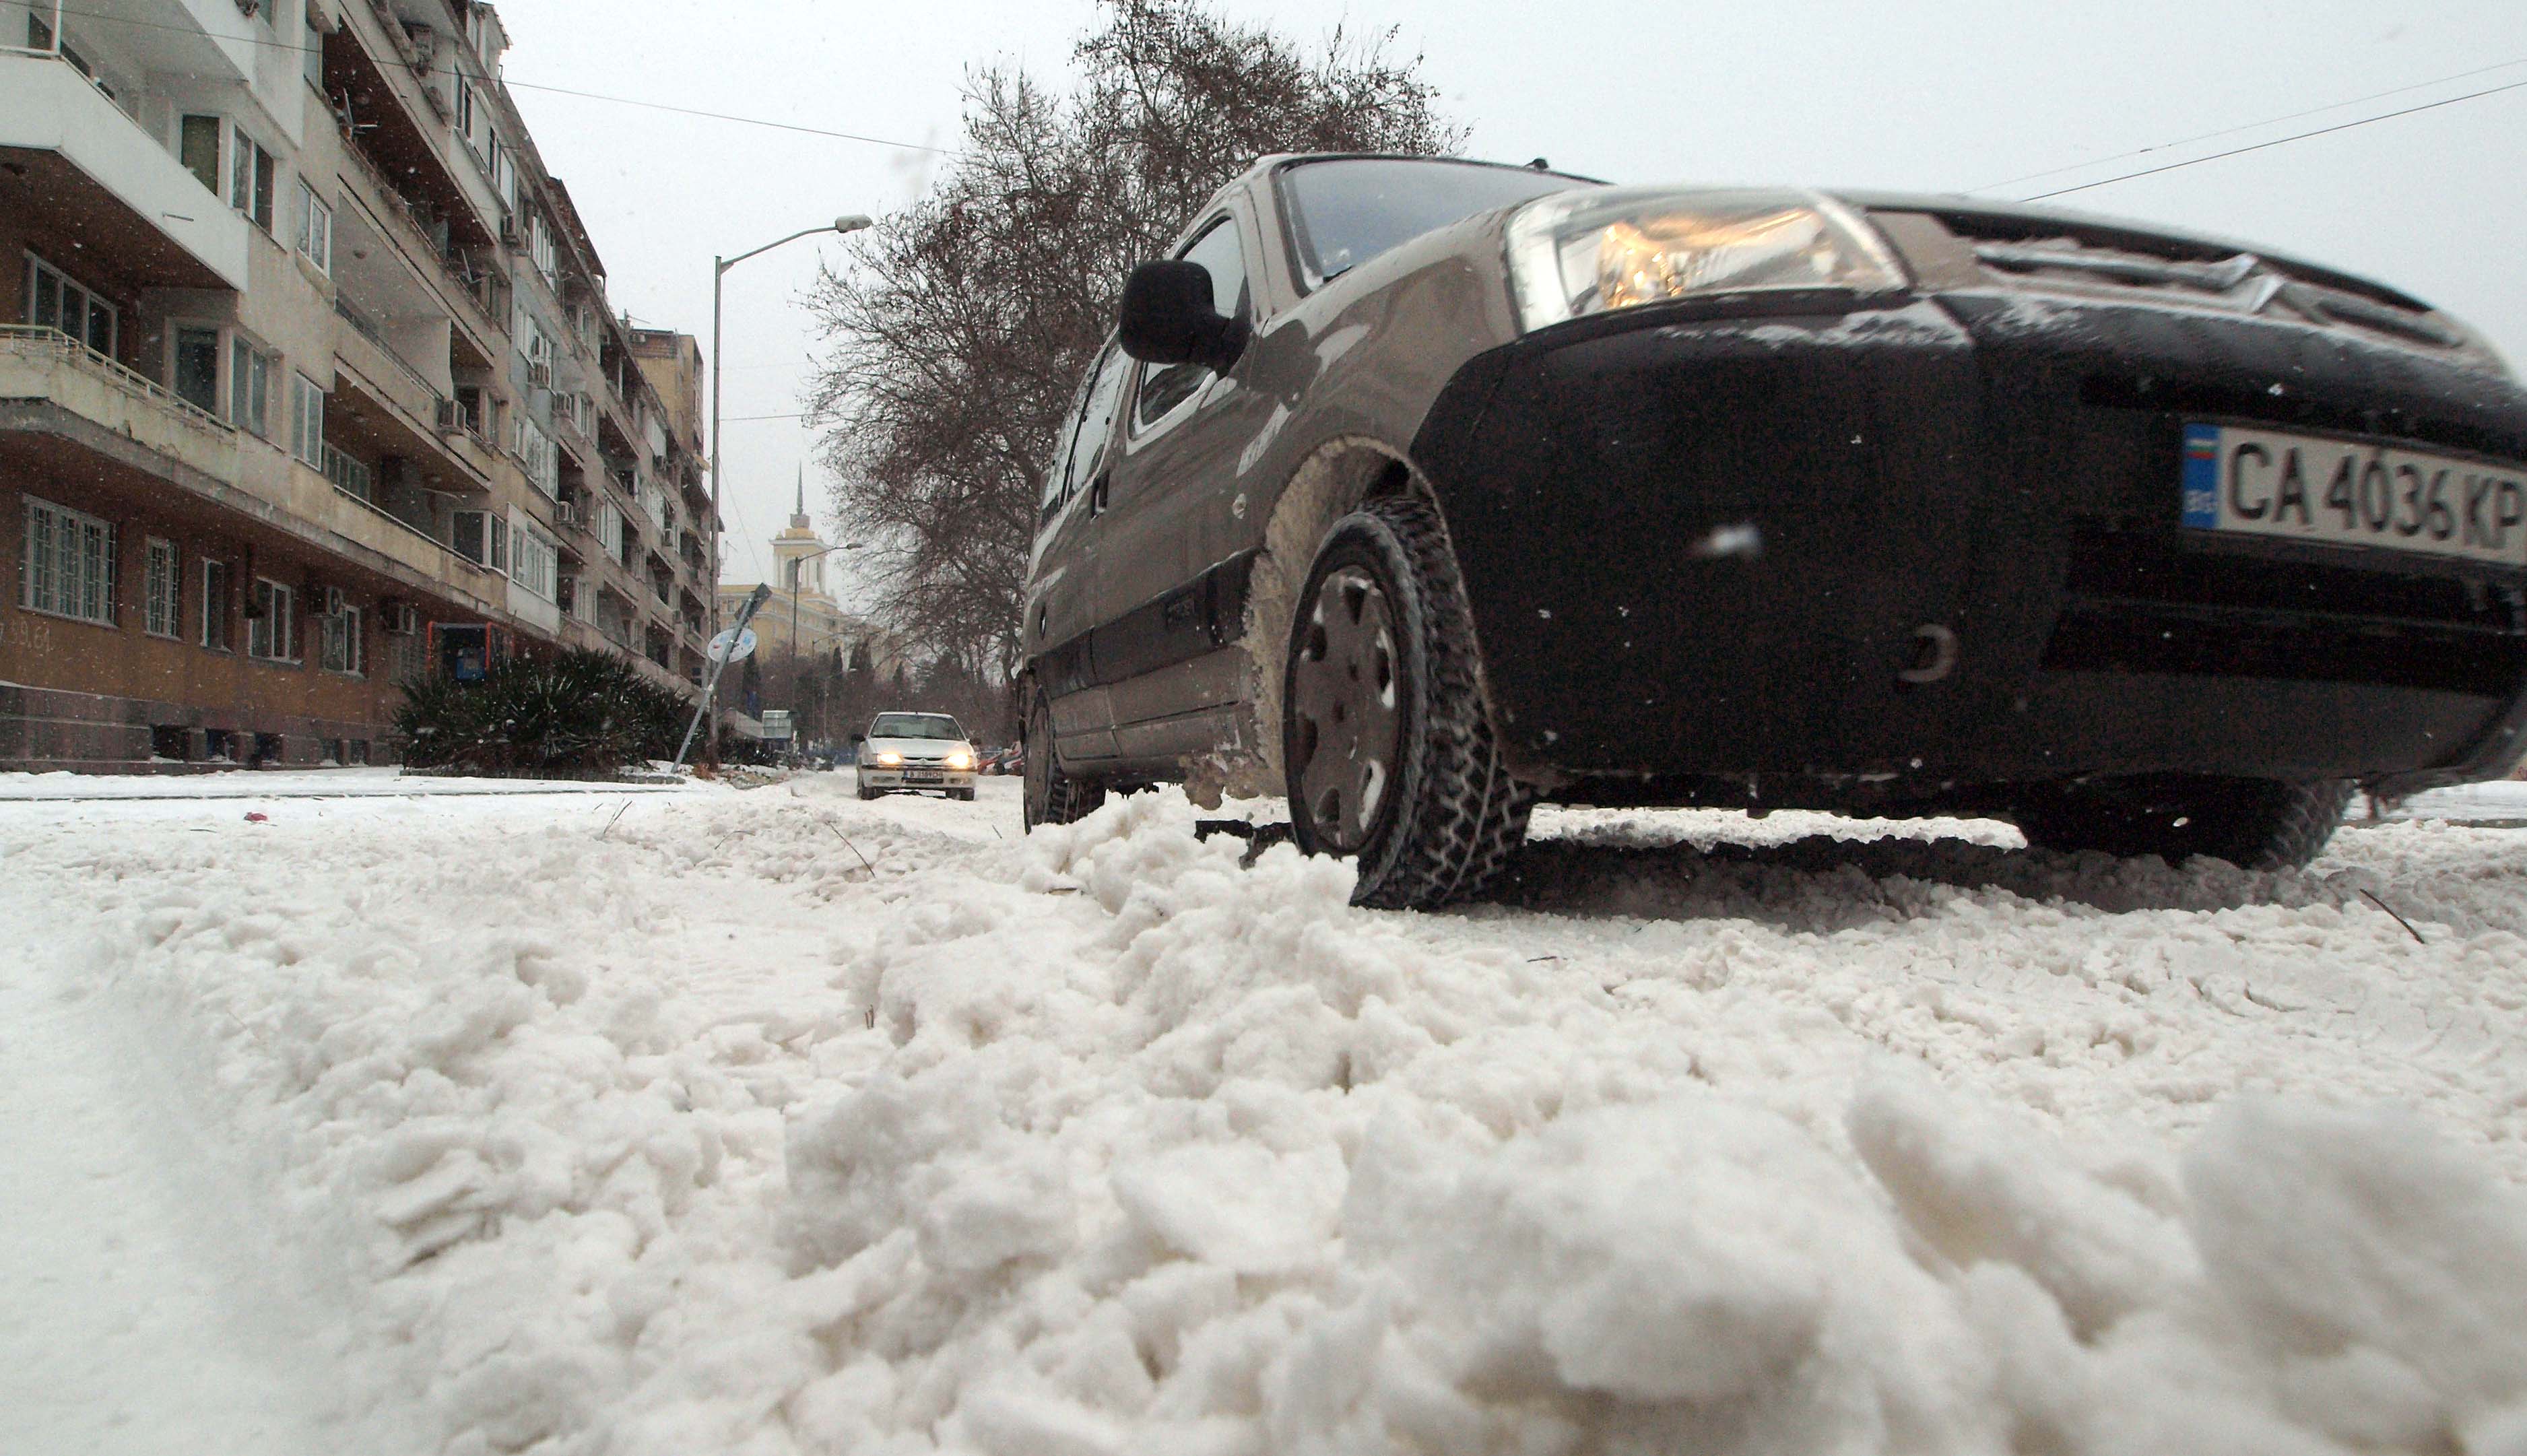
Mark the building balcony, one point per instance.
(53, 384)
(90, 175)
(68, 412)
(385, 401)
(397, 267)
(375, 75)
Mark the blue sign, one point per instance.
(2202, 476)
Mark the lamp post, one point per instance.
(849, 223)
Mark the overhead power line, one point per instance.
(2420, 86)
(2279, 141)
(276, 43)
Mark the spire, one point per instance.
(799, 514)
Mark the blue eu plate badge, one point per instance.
(2201, 481)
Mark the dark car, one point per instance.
(1421, 490)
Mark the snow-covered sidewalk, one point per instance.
(773, 1122)
(292, 783)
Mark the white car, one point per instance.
(911, 751)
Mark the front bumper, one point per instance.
(2001, 470)
(913, 776)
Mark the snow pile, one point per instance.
(792, 1127)
(1274, 1177)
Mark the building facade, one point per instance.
(308, 385)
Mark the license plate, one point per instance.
(917, 776)
(2344, 492)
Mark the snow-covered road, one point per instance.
(773, 1122)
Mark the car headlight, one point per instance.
(961, 759)
(1577, 253)
(889, 757)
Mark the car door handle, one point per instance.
(1097, 494)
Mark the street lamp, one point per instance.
(847, 223)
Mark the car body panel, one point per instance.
(1990, 459)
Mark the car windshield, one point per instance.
(915, 725)
(1347, 211)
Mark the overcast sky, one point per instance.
(1959, 97)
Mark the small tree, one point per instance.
(572, 715)
(968, 319)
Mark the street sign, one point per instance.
(735, 645)
(776, 723)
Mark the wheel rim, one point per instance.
(1344, 705)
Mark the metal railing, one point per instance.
(361, 326)
(351, 477)
(446, 551)
(43, 340)
(451, 261)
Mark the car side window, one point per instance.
(1163, 386)
(1089, 427)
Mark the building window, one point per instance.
(249, 388)
(358, 754)
(68, 565)
(166, 590)
(251, 176)
(197, 368)
(535, 451)
(539, 562)
(548, 257)
(220, 744)
(197, 146)
(54, 300)
(215, 605)
(482, 537)
(340, 645)
(272, 631)
(306, 420)
(315, 229)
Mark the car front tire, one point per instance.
(1051, 796)
(1386, 740)
(2252, 823)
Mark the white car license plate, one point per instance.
(920, 776)
(2344, 492)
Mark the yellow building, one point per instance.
(804, 622)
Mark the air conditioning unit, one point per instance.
(539, 374)
(448, 420)
(335, 603)
(510, 233)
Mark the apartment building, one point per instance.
(308, 384)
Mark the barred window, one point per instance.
(166, 590)
(66, 567)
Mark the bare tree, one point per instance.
(965, 322)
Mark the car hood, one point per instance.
(915, 747)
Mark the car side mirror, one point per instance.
(1167, 318)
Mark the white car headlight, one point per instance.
(889, 756)
(1577, 253)
(961, 758)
